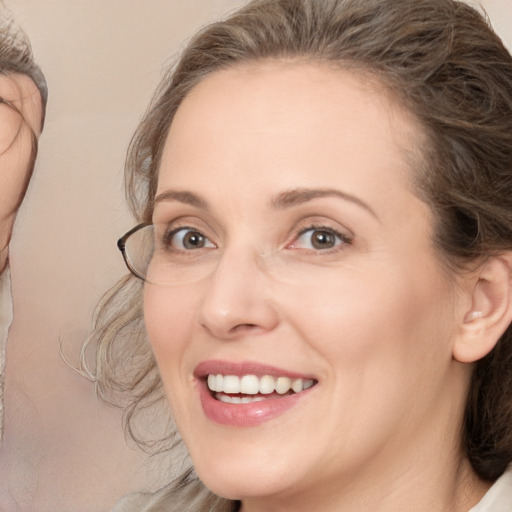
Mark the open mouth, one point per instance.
(246, 389)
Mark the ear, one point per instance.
(490, 312)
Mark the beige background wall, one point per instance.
(63, 450)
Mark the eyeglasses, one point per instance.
(137, 247)
(148, 253)
(164, 255)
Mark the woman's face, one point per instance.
(17, 127)
(298, 255)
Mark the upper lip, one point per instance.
(216, 366)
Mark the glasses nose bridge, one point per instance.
(242, 259)
(237, 295)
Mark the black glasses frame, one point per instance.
(121, 245)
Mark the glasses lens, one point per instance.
(139, 249)
(150, 255)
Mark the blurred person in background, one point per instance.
(23, 96)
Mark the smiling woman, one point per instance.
(323, 261)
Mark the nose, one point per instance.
(237, 300)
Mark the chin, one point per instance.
(240, 486)
(244, 476)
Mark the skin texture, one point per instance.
(16, 158)
(376, 319)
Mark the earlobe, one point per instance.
(490, 312)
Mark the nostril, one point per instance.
(244, 327)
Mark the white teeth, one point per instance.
(238, 400)
(215, 382)
(283, 385)
(219, 382)
(267, 385)
(252, 385)
(308, 383)
(249, 385)
(231, 384)
(298, 385)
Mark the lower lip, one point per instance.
(246, 415)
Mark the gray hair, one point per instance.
(16, 54)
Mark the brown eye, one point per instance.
(323, 240)
(193, 240)
(319, 239)
(189, 239)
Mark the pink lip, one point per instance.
(244, 415)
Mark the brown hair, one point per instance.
(443, 62)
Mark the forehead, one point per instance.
(287, 115)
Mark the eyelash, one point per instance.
(169, 237)
(342, 239)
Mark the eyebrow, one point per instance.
(286, 199)
(182, 196)
(298, 196)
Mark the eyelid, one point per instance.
(170, 236)
(322, 227)
(177, 222)
(176, 219)
(345, 239)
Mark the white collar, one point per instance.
(499, 497)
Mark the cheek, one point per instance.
(387, 318)
(387, 345)
(168, 316)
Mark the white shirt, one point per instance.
(499, 497)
